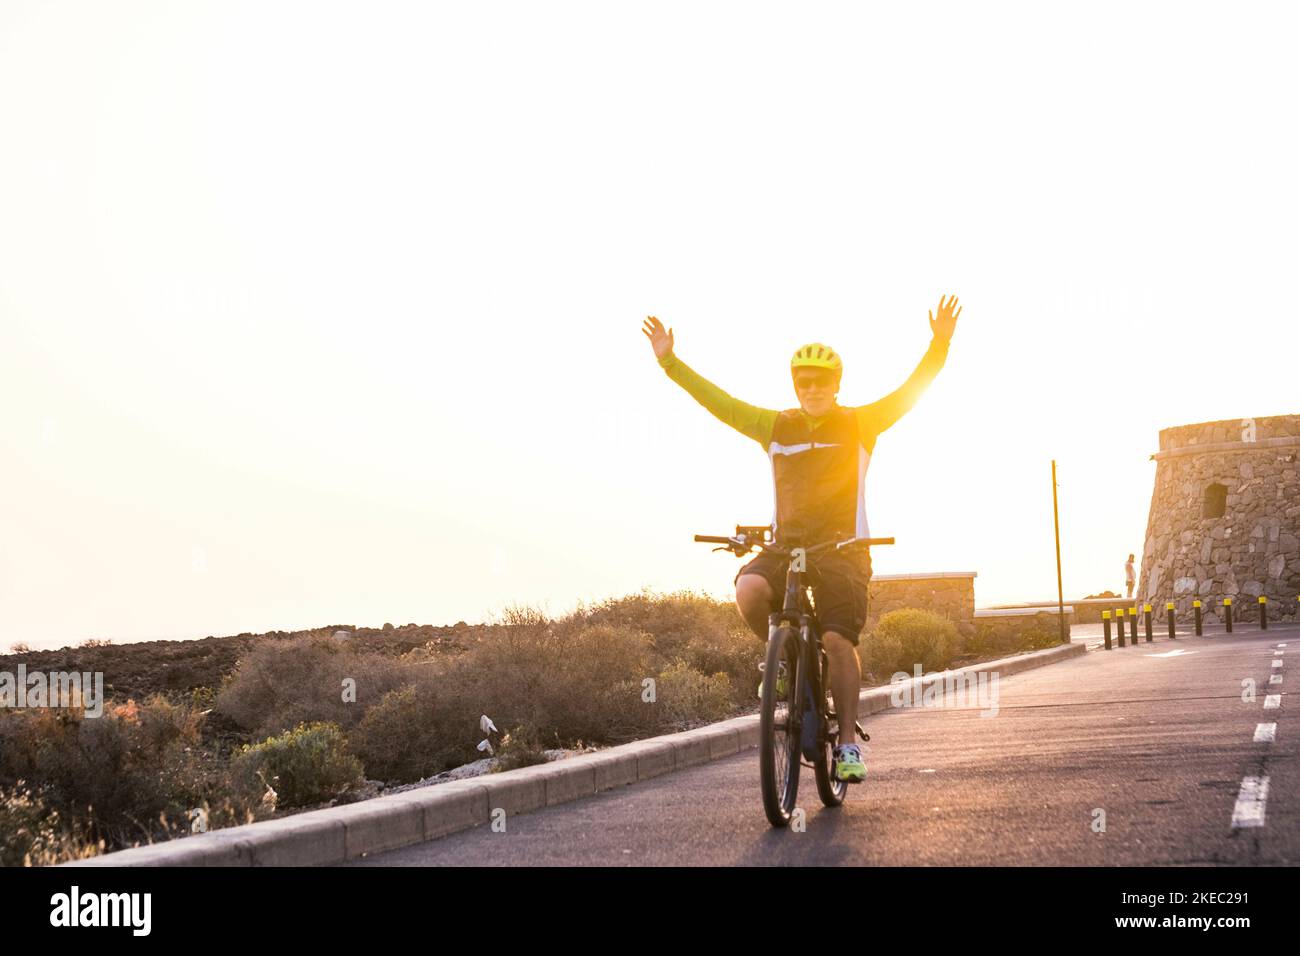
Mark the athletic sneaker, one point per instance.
(848, 764)
(780, 682)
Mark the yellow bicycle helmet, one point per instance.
(816, 355)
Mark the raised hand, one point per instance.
(660, 339)
(942, 327)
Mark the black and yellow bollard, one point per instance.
(1227, 613)
(1105, 627)
(1196, 612)
(1263, 613)
(1169, 616)
(1133, 625)
(1146, 620)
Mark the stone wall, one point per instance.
(1089, 611)
(1009, 625)
(1254, 548)
(948, 593)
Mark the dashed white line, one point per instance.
(1277, 663)
(1249, 811)
(1272, 701)
(1265, 733)
(1275, 679)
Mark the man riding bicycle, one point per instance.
(819, 453)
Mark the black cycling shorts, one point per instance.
(839, 586)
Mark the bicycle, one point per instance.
(804, 712)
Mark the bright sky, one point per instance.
(329, 313)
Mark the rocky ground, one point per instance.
(180, 667)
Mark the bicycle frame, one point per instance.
(798, 612)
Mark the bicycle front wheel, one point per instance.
(779, 727)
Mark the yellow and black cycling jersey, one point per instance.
(819, 465)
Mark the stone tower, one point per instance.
(1225, 518)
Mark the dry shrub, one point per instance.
(279, 685)
(906, 637)
(416, 732)
(34, 834)
(688, 626)
(568, 681)
(309, 764)
(126, 777)
(688, 697)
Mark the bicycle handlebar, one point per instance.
(743, 542)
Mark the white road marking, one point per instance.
(1275, 679)
(1249, 811)
(1278, 653)
(1277, 663)
(1265, 733)
(1273, 702)
(1178, 653)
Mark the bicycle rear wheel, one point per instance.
(829, 788)
(778, 751)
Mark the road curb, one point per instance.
(338, 834)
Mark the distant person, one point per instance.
(819, 454)
(1130, 577)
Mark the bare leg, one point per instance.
(846, 682)
(754, 601)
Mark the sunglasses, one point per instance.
(802, 382)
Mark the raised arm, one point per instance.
(880, 415)
(750, 420)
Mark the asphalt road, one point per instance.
(1157, 737)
